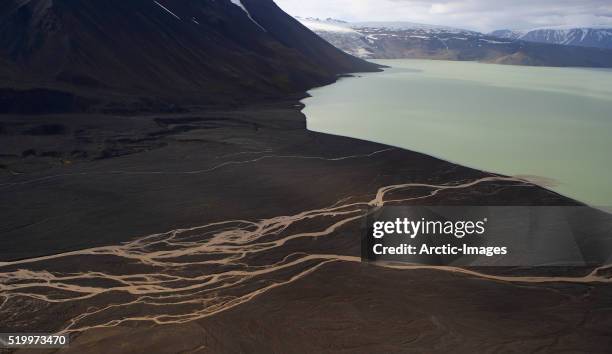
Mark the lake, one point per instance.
(550, 125)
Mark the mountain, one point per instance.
(341, 35)
(372, 40)
(397, 40)
(117, 55)
(507, 34)
(594, 36)
(391, 40)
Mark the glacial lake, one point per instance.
(550, 125)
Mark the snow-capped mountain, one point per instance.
(387, 39)
(593, 36)
(507, 34)
(341, 35)
(398, 40)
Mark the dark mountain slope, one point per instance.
(293, 34)
(117, 54)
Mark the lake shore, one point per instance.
(550, 124)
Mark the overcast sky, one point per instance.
(482, 15)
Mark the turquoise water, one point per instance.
(553, 125)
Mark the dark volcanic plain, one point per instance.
(221, 224)
(228, 287)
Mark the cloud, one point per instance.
(482, 15)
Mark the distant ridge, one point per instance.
(398, 40)
(582, 36)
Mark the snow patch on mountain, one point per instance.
(493, 42)
(241, 5)
(508, 34)
(166, 9)
(407, 26)
(329, 25)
